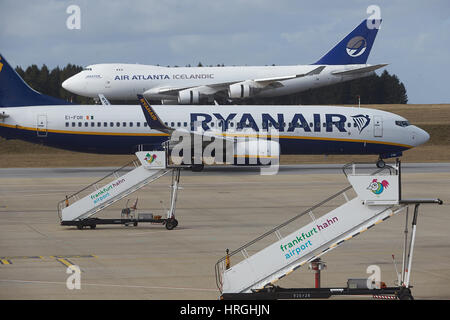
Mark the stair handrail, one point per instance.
(65, 202)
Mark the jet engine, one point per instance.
(240, 90)
(188, 96)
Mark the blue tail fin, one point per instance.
(355, 47)
(14, 92)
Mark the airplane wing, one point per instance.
(360, 70)
(222, 86)
(266, 81)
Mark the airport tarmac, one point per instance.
(217, 209)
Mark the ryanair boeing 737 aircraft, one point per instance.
(28, 115)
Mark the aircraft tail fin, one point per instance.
(355, 47)
(14, 92)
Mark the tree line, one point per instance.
(375, 89)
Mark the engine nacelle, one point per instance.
(240, 90)
(256, 152)
(188, 96)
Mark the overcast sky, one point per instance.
(414, 37)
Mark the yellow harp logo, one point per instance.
(1, 65)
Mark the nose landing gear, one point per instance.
(380, 163)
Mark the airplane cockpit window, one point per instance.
(402, 123)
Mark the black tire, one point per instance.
(93, 226)
(381, 163)
(135, 224)
(197, 167)
(405, 294)
(171, 223)
(80, 227)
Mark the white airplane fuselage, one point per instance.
(302, 129)
(124, 81)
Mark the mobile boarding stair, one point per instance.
(285, 248)
(78, 208)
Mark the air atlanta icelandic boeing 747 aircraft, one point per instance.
(28, 115)
(346, 61)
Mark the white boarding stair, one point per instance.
(94, 198)
(370, 207)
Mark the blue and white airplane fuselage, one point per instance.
(302, 129)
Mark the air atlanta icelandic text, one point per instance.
(165, 76)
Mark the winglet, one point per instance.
(152, 118)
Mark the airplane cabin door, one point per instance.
(377, 126)
(41, 126)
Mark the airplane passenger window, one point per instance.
(172, 124)
(145, 124)
(111, 124)
(67, 124)
(86, 124)
(131, 124)
(92, 124)
(117, 124)
(80, 124)
(179, 124)
(73, 124)
(99, 124)
(138, 124)
(231, 124)
(349, 125)
(124, 124)
(105, 124)
(185, 124)
(212, 124)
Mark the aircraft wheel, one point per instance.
(381, 163)
(171, 223)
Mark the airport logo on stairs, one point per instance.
(150, 158)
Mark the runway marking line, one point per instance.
(65, 262)
(110, 285)
(63, 259)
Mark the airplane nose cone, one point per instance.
(68, 84)
(65, 85)
(75, 84)
(420, 136)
